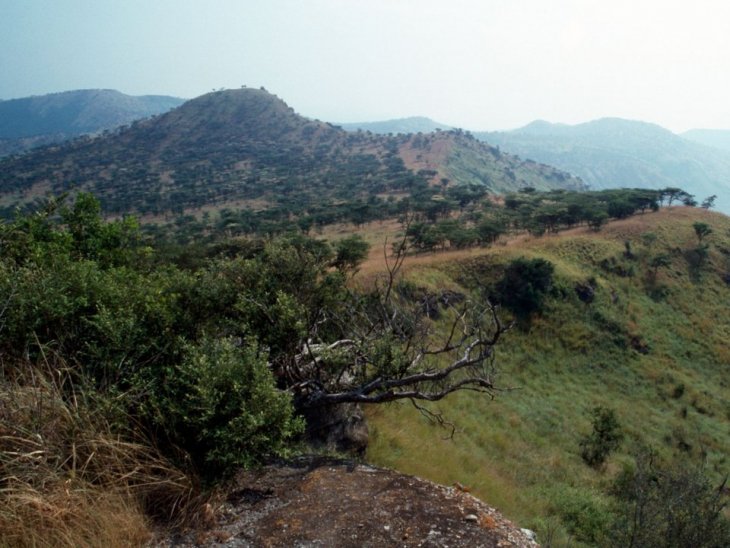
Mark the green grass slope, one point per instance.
(654, 349)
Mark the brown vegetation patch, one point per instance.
(431, 155)
(68, 479)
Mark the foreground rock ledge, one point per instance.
(318, 501)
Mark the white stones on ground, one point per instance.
(471, 517)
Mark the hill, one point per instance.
(247, 150)
(413, 124)
(612, 152)
(40, 120)
(718, 138)
(648, 342)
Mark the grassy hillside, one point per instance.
(653, 349)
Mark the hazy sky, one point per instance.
(478, 64)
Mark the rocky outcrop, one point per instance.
(316, 501)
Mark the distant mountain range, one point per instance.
(40, 120)
(415, 124)
(247, 146)
(613, 152)
(246, 149)
(718, 138)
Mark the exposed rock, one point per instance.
(316, 501)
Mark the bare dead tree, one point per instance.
(395, 352)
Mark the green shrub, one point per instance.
(668, 506)
(524, 285)
(585, 514)
(221, 405)
(605, 437)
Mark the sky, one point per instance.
(475, 64)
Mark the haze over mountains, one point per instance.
(718, 138)
(247, 148)
(620, 312)
(413, 124)
(611, 152)
(40, 120)
(226, 141)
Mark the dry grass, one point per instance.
(66, 477)
(63, 514)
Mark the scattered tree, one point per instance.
(709, 202)
(702, 230)
(604, 438)
(668, 506)
(524, 285)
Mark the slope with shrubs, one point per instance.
(248, 151)
(623, 344)
(148, 376)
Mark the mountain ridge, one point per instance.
(248, 147)
(717, 138)
(613, 152)
(410, 124)
(28, 122)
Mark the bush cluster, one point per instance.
(190, 351)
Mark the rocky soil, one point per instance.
(317, 501)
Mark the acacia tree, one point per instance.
(702, 230)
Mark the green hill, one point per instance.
(612, 153)
(650, 343)
(41, 120)
(247, 150)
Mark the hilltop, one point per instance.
(612, 153)
(246, 149)
(31, 122)
(413, 124)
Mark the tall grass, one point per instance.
(71, 476)
(661, 363)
